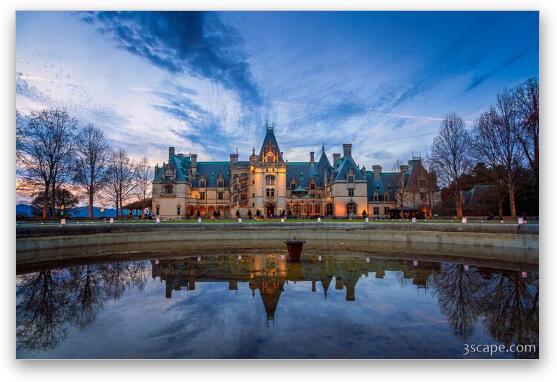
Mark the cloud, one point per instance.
(479, 79)
(196, 43)
(24, 88)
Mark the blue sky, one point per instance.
(207, 82)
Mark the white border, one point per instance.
(286, 370)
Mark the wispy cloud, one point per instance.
(192, 42)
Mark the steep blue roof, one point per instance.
(302, 173)
(381, 185)
(346, 164)
(271, 142)
(180, 163)
(211, 172)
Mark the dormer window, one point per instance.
(312, 186)
(350, 178)
(168, 190)
(202, 183)
(293, 186)
(220, 183)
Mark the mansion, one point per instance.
(267, 185)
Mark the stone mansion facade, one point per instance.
(269, 186)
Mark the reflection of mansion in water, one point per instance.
(268, 185)
(269, 273)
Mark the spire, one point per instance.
(270, 145)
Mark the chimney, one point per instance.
(193, 160)
(336, 159)
(376, 172)
(311, 157)
(171, 151)
(347, 149)
(233, 160)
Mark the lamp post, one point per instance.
(102, 211)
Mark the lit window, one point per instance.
(270, 180)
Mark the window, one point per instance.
(202, 195)
(312, 186)
(376, 187)
(375, 197)
(158, 210)
(178, 208)
(220, 195)
(235, 199)
(376, 210)
(387, 210)
(270, 180)
(220, 183)
(296, 209)
(270, 192)
(389, 187)
(350, 192)
(202, 183)
(350, 178)
(317, 209)
(168, 189)
(308, 210)
(351, 209)
(169, 177)
(293, 185)
(386, 197)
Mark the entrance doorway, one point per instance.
(270, 210)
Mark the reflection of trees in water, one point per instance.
(456, 289)
(509, 303)
(49, 301)
(42, 310)
(506, 301)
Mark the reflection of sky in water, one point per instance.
(390, 318)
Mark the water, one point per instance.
(258, 305)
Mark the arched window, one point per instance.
(202, 183)
(270, 180)
(351, 209)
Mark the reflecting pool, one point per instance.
(259, 305)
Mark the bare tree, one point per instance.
(527, 103)
(44, 153)
(402, 181)
(450, 155)
(497, 144)
(92, 153)
(120, 176)
(143, 180)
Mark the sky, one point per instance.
(208, 82)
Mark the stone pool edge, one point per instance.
(40, 237)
